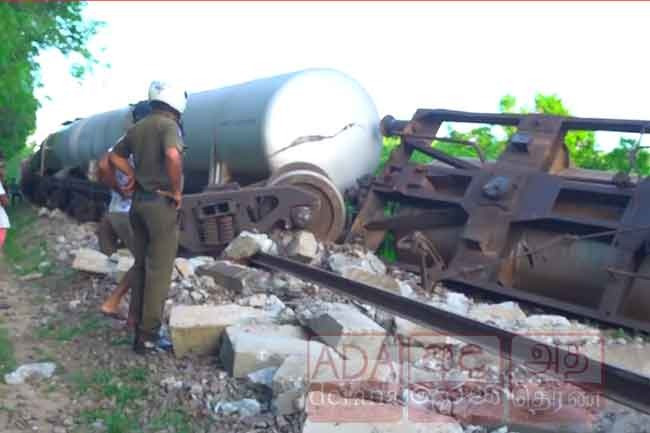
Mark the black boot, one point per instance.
(144, 343)
(149, 343)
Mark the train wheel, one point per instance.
(40, 192)
(328, 221)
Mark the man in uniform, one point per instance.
(156, 144)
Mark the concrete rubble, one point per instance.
(267, 331)
(504, 314)
(382, 281)
(247, 244)
(197, 328)
(303, 247)
(339, 262)
(240, 279)
(248, 349)
(92, 261)
(345, 328)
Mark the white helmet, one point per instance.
(170, 95)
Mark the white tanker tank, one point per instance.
(317, 116)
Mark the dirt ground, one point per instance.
(50, 313)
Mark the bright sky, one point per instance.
(407, 55)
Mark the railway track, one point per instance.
(620, 385)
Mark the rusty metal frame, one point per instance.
(211, 219)
(527, 186)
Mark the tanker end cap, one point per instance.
(169, 94)
(391, 127)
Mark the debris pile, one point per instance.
(291, 354)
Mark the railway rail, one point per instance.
(620, 385)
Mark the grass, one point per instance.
(43, 355)
(55, 330)
(7, 358)
(24, 248)
(124, 388)
(176, 418)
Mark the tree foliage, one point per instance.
(27, 29)
(581, 145)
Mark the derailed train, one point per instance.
(294, 141)
(280, 152)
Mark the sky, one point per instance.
(407, 55)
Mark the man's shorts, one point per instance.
(122, 227)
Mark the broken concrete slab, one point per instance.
(262, 300)
(289, 384)
(287, 403)
(553, 329)
(247, 244)
(244, 352)
(347, 330)
(503, 313)
(412, 333)
(454, 302)
(377, 380)
(328, 372)
(270, 330)
(303, 246)
(199, 261)
(197, 328)
(369, 262)
(184, 267)
(546, 321)
(292, 374)
(92, 261)
(381, 281)
(230, 275)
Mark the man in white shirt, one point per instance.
(118, 216)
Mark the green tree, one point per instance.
(27, 29)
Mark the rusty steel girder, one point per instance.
(527, 226)
(211, 219)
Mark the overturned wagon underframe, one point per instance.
(526, 226)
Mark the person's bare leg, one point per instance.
(112, 304)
